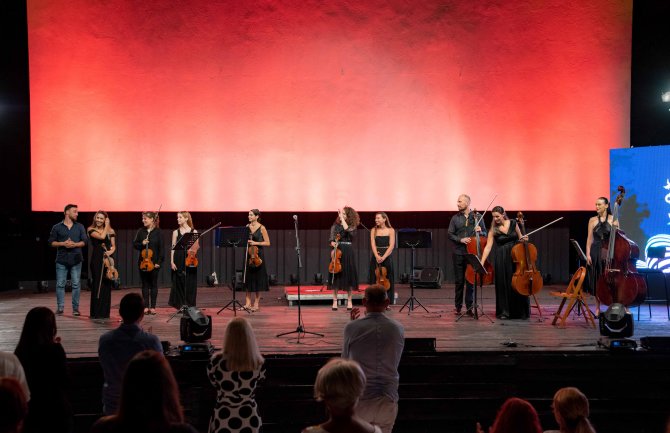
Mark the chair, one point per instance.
(574, 297)
(658, 252)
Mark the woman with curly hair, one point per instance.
(342, 236)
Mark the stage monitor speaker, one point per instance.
(194, 326)
(658, 344)
(427, 277)
(616, 322)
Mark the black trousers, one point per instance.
(460, 263)
(149, 287)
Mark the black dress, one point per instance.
(101, 292)
(383, 243)
(509, 304)
(184, 280)
(347, 279)
(601, 235)
(257, 277)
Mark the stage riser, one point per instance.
(444, 392)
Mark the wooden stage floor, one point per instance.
(80, 334)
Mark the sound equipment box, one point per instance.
(427, 277)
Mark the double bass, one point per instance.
(527, 279)
(620, 283)
(475, 246)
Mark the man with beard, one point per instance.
(68, 237)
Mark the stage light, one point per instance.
(616, 322)
(212, 280)
(293, 279)
(195, 326)
(274, 280)
(318, 278)
(665, 97)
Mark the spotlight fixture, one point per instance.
(293, 279)
(665, 97)
(318, 278)
(273, 279)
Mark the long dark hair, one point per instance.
(39, 330)
(607, 202)
(149, 394)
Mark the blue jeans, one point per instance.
(61, 278)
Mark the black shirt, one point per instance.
(462, 227)
(155, 244)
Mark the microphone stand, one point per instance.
(300, 330)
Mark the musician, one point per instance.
(505, 233)
(149, 236)
(184, 278)
(257, 276)
(600, 227)
(382, 243)
(462, 228)
(102, 242)
(345, 226)
(68, 237)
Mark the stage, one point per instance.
(80, 334)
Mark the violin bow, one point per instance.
(546, 225)
(485, 210)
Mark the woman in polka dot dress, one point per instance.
(235, 374)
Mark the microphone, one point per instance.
(295, 217)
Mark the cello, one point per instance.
(527, 279)
(475, 246)
(620, 283)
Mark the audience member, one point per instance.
(117, 347)
(149, 399)
(339, 384)
(571, 410)
(13, 404)
(43, 360)
(515, 416)
(10, 366)
(235, 373)
(376, 343)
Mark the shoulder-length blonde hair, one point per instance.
(189, 220)
(239, 346)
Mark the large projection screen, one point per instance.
(308, 105)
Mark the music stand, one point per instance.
(232, 237)
(480, 271)
(413, 239)
(184, 243)
(301, 326)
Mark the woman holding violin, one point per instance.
(257, 274)
(184, 273)
(382, 242)
(149, 242)
(102, 242)
(462, 228)
(505, 233)
(344, 275)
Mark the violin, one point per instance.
(191, 259)
(620, 283)
(381, 278)
(527, 279)
(111, 272)
(335, 266)
(147, 265)
(254, 259)
(475, 246)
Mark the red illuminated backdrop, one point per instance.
(308, 105)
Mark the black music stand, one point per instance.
(413, 239)
(480, 271)
(301, 327)
(184, 243)
(232, 237)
